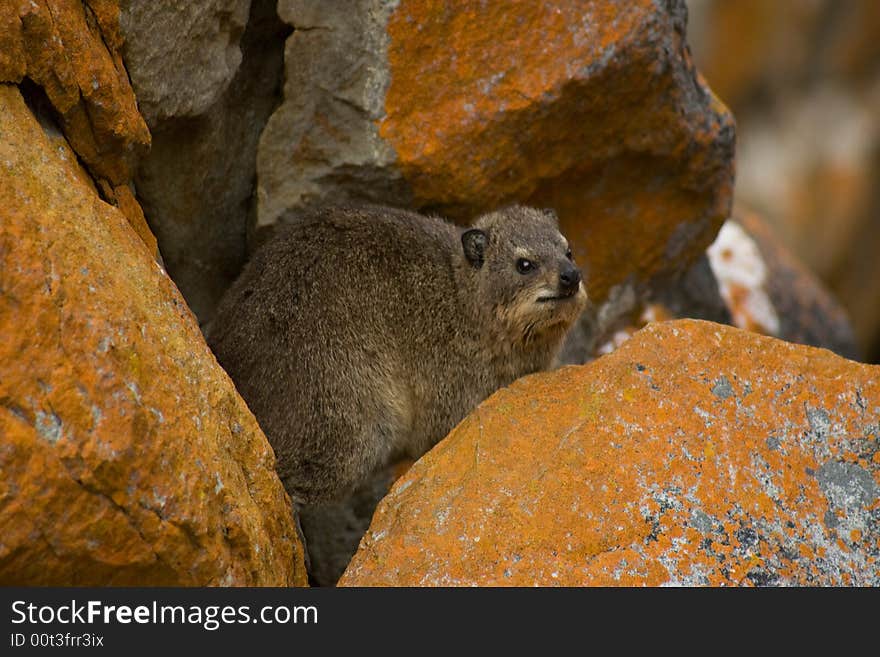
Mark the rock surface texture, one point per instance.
(592, 108)
(69, 50)
(127, 457)
(696, 454)
(181, 55)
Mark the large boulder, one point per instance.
(696, 454)
(592, 108)
(126, 455)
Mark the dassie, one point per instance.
(356, 335)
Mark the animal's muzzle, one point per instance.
(569, 280)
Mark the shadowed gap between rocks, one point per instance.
(197, 183)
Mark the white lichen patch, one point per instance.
(741, 272)
(48, 426)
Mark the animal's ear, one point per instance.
(551, 214)
(474, 243)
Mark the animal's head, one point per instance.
(522, 265)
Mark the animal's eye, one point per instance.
(524, 266)
(568, 253)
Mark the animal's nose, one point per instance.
(569, 279)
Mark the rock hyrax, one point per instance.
(357, 335)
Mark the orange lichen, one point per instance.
(72, 49)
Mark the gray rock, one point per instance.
(197, 183)
(694, 294)
(322, 144)
(181, 56)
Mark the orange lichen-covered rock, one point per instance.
(592, 108)
(126, 455)
(696, 454)
(71, 49)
